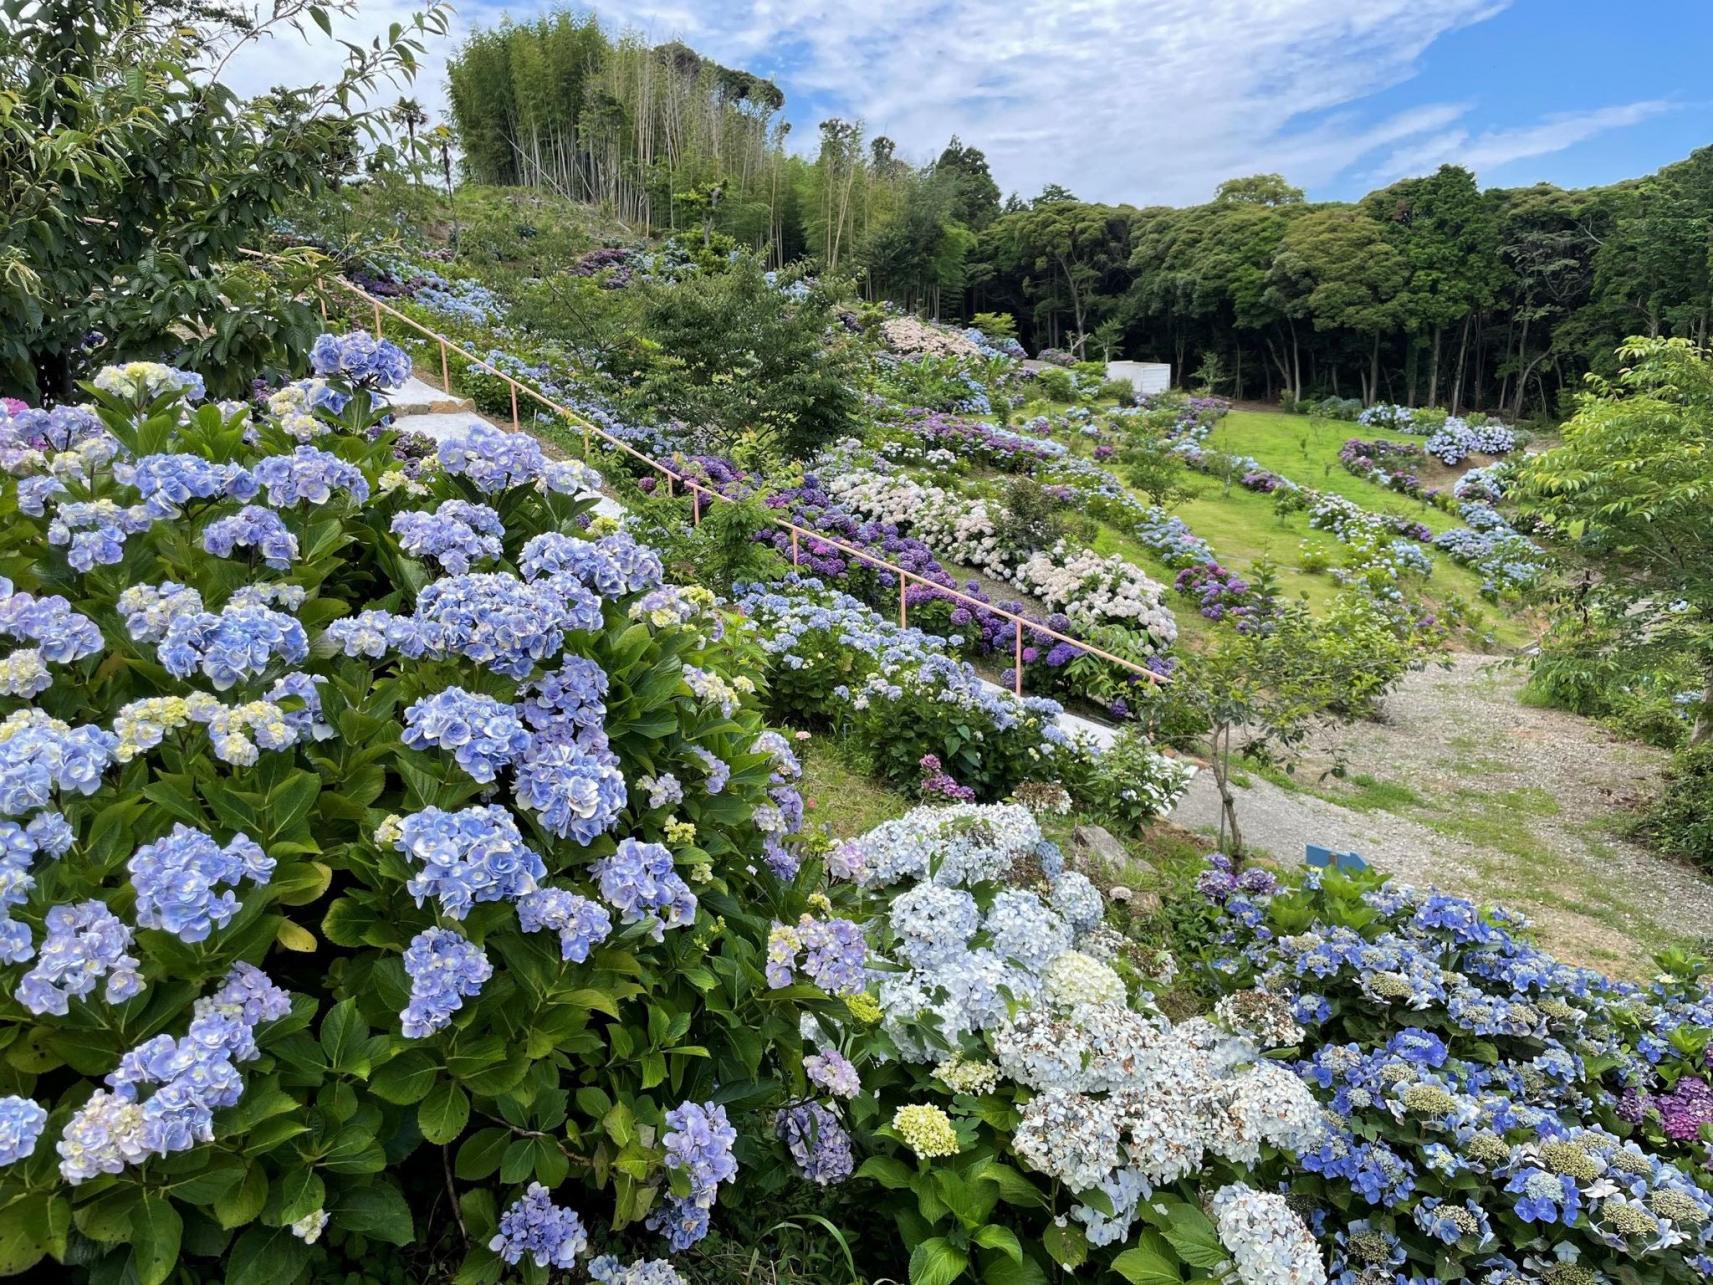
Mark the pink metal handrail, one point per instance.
(698, 491)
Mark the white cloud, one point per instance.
(1492, 149)
(1146, 101)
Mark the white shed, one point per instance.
(1144, 376)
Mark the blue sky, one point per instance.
(1155, 101)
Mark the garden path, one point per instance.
(1458, 784)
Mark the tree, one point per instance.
(1443, 230)
(1258, 189)
(1629, 490)
(1336, 268)
(1063, 256)
(1260, 693)
(975, 196)
(125, 159)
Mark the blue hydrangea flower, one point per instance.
(552, 1236)
(638, 881)
(469, 856)
(493, 460)
(568, 700)
(444, 971)
(698, 1142)
(500, 622)
(361, 359)
(185, 881)
(252, 527)
(577, 793)
(149, 609)
(60, 634)
(818, 1143)
(612, 566)
(581, 924)
(21, 1122)
(94, 532)
(719, 771)
(85, 943)
(39, 755)
(308, 475)
(456, 534)
(236, 644)
(168, 482)
(481, 733)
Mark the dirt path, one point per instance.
(1459, 785)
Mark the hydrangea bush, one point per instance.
(1023, 1100)
(1499, 1116)
(381, 836)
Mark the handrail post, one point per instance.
(1017, 670)
(513, 383)
(668, 483)
(903, 602)
(323, 302)
(585, 443)
(377, 319)
(794, 547)
(695, 506)
(445, 370)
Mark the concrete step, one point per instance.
(440, 425)
(420, 398)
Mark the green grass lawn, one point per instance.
(1242, 527)
(1305, 450)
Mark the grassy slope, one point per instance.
(1241, 526)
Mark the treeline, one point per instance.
(1429, 290)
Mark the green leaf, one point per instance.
(405, 1079)
(238, 1206)
(377, 1210)
(887, 1171)
(266, 1256)
(1002, 1271)
(343, 1032)
(994, 1236)
(443, 1113)
(936, 1262)
(1195, 1239)
(1066, 1243)
(1149, 1262)
(480, 1154)
(155, 1232)
(301, 1192)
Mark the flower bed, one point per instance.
(1219, 594)
(1499, 1116)
(336, 866)
(1456, 440)
(1088, 588)
(898, 693)
(1022, 1102)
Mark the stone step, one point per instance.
(420, 398)
(440, 425)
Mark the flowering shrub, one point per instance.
(1219, 593)
(1495, 1110)
(1456, 440)
(356, 815)
(1088, 588)
(896, 692)
(1022, 1097)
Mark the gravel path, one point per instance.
(1457, 784)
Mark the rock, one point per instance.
(1119, 893)
(1145, 905)
(1097, 842)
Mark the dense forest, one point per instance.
(1430, 290)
